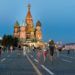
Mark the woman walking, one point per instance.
(44, 52)
(39, 52)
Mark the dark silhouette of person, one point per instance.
(0, 50)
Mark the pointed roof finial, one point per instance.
(38, 23)
(16, 24)
(29, 13)
(29, 6)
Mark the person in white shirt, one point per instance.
(24, 50)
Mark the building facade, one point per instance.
(27, 31)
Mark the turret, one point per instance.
(29, 25)
(29, 19)
(38, 33)
(16, 29)
(22, 33)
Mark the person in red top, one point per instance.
(44, 52)
(39, 53)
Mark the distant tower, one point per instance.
(29, 25)
(16, 29)
(38, 33)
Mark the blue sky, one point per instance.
(57, 17)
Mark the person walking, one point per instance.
(60, 47)
(51, 49)
(33, 48)
(39, 53)
(0, 51)
(44, 52)
(56, 49)
(24, 50)
(34, 51)
(11, 49)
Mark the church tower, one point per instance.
(16, 29)
(22, 33)
(29, 25)
(38, 33)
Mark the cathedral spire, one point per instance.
(29, 6)
(29, 13)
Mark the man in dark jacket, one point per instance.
(51, 49)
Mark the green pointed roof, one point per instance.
(38, 23)
(16, 24)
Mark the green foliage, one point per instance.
(34, 40)
(16, 24)
(38, 23)
(15, 42)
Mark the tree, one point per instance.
(9, 40)
(15, 41)
(4, 40)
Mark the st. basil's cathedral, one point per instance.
(27, 32)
